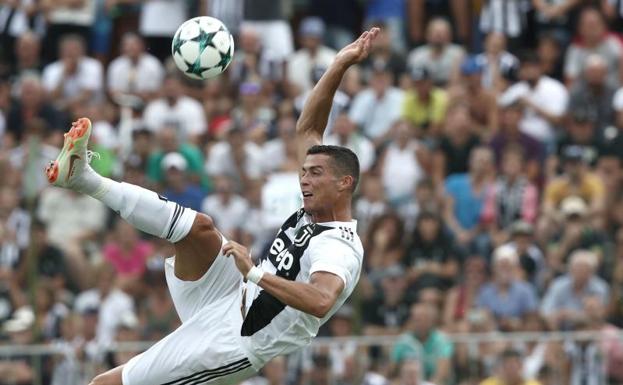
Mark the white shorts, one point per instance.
(206, 348)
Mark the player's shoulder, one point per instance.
(343, 238)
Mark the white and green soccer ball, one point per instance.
(202, 47)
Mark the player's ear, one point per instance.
(346, 183)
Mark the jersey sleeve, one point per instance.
(331, 252)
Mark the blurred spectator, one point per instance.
(438, 55)
(169, 142)
(371, 203)
(481, 101)
(311, 55)
(544, 99)
(135, 72)
(159, 19)
(49, 312)
(556, 17)
(230, 12)
(508, 299)
(425, 105)
(384, 54)
(279, 153)
(461, 299)
(423, 341)
(431, 257)
(251, 112)
(384, 245)
(52, 264)
(496, 61)
(575, 179)
(75, 78)
(506, 17)
(465, 195)
(267, 18)
(392, 13)
(252, 61)
(404, 159)
(273, 373)
(386, 313)
(128, 254)
(376, 108)
(16, 18)
(511, 197)
(458, 140)
(532, 262)
(175, 109)
(27, 57)
(15, 224)
(563, 305)
(594, 38)
(177, 185)
(411, 373)
(345, 134)
(342, 18)
(228, 209)
(591, 92)
(108, 301)
(19, 370)
(65, 18)
(509, 371)
(157, 313)
(32, 105)
(581, 135)
(235, 158)
(550, 51)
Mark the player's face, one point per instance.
(319, 184)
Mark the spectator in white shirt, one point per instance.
(66, 17)
(175, 109)
(345, 134)
(236, 158)
(228, 209)
(311, 55)
(159, 20)
(135, 72)
(75, 79)
(545, 100)
(439, 55)
(376, 108)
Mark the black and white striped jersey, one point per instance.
(301, 248)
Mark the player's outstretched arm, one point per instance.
(316, 297)
(311, 125)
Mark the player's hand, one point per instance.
(357, 50)
(241, 256)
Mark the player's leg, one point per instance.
(197, 240)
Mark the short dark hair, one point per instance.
(343, 160)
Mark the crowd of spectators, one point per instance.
(490, 137)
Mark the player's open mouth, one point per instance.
(307, 194)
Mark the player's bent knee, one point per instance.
(203, 224)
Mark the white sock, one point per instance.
(142, 208)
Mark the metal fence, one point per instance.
(37, 354)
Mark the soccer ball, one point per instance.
(202, 47)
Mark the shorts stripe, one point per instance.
(211, 374)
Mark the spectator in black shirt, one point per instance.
(386, 313)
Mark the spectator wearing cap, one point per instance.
(582, 135)
(564, 300)
(532, 262)
(511, 197)
(177, 185)
(311, 55)
(423, 340)
(577, 232)
(510, 134)
(545, 100)
(432, 257)
(345, 134)
(425, 105)
(451, 155)
(135, 72)
(592, 92)
(439, 54)
(177, 110)
(168, 142)
(510, 300)
(75, 78)
(481, 101)
(376, 108)
(576, 179)
(510, 371)
(496, 61)
(228, 209)
(593, 38)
